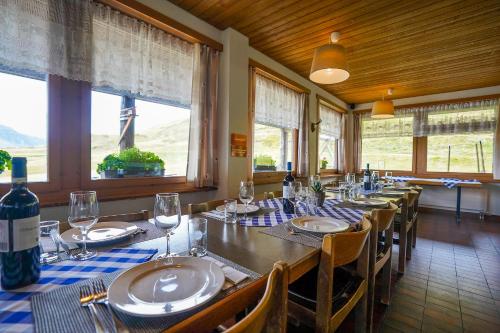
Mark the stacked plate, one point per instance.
(326, 225)
(101, 233)
(165, 287)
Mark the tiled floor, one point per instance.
(452, 282)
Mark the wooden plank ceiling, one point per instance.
(417, 47)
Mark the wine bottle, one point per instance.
(288, 193)
(367, 185)
(19, 231)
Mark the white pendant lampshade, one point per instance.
(383, 109)
(329, 63)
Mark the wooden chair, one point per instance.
(326, 306)
(403, 224)
(143, 215)
(273, 195)
(380, 254)
(204, 206)
(415, 222)
(270, 314)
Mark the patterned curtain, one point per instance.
(136, 58)
(331, 121)
(47, 37)
(276, 104)
(202, 167)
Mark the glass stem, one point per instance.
(84, 238)
(168, 244)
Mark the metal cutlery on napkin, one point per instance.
(87, 300)
(101, 297)
(294, 232)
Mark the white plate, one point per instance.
(392, 193)
(320, 224)
(240, 209)
(102, 232)
(166, 286)
(368, 202)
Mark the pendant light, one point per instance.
(329, 63)
(383, 109)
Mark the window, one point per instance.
(387, 144)
(471, 153)
(330, 132)
(146, 127)
(24, 123)
(272, 148)
(275, 130)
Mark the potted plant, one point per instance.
(111, 167)
(318, 191)
(324, 163)
(264, 163)
(5, 161)
(131, 162)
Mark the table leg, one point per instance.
(459, 197)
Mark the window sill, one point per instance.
(60, 198)
(268, 177)
(329, 173)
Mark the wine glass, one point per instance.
(388, 177)
(246, 194)
(83, 214)
(167, 215)
(350, 178)
(296, 188)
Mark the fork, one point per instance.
(101, 297)
(87, 300)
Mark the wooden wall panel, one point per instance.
(417, 47)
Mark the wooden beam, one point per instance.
(142, 12)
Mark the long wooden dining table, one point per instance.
(247, 247)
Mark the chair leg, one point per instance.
(414, 242)
(409, 240)
(361, 313)
(385, 296)
(402, 248)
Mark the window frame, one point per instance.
(53, 182)
(322, 100)
(419, 159)
(268, 177)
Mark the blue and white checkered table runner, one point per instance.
(447, 182)
(329, 209)
(15, 308)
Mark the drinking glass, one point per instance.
(375, 176)
(230, 211)
(342, 189)
(296, 189)
(302, 196)
(197, 230)
(83, 214)
(350, 178)
(49, 241)
(388, 178)
(246, 194)
(167, 215)
(354, 192)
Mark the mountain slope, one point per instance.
(13, 139)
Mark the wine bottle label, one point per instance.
(25, 234)
(366, 179)
(288, 193)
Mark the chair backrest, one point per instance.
(347, 246)
(143, 215)
(204, 206)
(382, 218)
(273, 195)
(270, 315)
(412, 198)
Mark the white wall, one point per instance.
(487, 198)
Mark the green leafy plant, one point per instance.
(131, 159)
(265, 160)
(110, 163)
(324, 163)
(5, 161)
(317, 187)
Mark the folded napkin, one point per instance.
(232, 275)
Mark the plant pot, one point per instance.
(107, 174)
(265, 168)
(320, 198)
